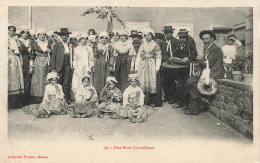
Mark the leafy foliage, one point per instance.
(249, 63)
(105, 13)
(238, 63)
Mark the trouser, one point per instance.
(193, 92)
(182, 91)
(169, 84)
(65, 80)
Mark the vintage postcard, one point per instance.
(129, 81)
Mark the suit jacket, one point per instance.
(215, 58)
(189, 50)
(174, 45)
(57, 57)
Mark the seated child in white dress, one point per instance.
(53, 99)
(86, 100)
(133, 102)
(113, 99)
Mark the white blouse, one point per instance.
(132, 92)
(50, 90)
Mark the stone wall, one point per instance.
(233, 104)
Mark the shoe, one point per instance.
(140, 119)
(83, 115)
(184, 108)
(176, 105)
(101, 115)
(171, 102)
(191, 112)
(78, 116)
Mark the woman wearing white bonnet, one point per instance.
(83, 61)
(147, 64)
(53, 101)
(39, 65)
(104, 61)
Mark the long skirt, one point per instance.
(122, 69)
(136, 114)
(87, 109)
(38, 82)
(54, 106)
(77, 80)
(147, 75)
(15, 75)
(101, 72)
(111, 108)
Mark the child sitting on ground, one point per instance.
(133, 102)
(113, 99)
(53, 99)
(86, 100)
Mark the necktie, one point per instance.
(169, 47)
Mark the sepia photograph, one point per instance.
(125, 83)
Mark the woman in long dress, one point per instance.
(86, 100)
(133, 102)
(15, 72)
(39, 65)
(83, 62)
(104, 61)
(25, 51)
(147, 64)
(113, 99)
(53, 100)
(124, 62)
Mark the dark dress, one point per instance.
(123, 63)
(103, 59)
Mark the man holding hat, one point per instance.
(212, 56)
(169, 46)
(61, 62)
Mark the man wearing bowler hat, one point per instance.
(214, 55)
(169, 46)
(185, 53)
(61, 62)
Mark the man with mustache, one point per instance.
(214, 55)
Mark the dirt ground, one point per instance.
(162, 124)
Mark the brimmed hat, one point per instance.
(64, 31)
(149, 31)
(134, 33)
(40, 30)
(52, 75)
(133, 77)
(140, 34)
(103, 34)
(122, 33)
(183, 32)
(210, 32)
(92, 31)
(168, 28)
(75, 35)
(111, 78)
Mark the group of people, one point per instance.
(85, 73)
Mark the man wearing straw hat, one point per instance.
(61, 60)
(213, 59)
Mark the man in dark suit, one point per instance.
(185, 54)
(214, 55)
(169, 46)
(61, 62)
